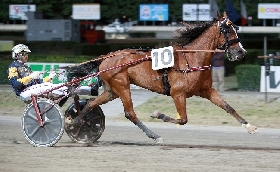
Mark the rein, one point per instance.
(210, 51)
(132, 62)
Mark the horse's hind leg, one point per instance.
(103, 98)
(125, 96)
(215, 98)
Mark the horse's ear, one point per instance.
(219, 15)
(225, 15)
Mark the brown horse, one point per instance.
(190, 75)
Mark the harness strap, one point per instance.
(236, 40)
(200, 68)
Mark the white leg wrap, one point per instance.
(246, 125)
(251, 129)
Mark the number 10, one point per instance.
(162, 58)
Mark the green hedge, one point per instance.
(3, 74)
(248, 77)
(251, 57)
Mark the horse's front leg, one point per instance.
(215, 98)
(180, 103)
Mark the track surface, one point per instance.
(124, 147)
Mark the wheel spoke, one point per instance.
(50, 121)
(34, 117)
(35, 131)
(46, 110)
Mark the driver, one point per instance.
(26, 82)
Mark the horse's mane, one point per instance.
(191, 32)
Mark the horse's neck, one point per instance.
(207, 40)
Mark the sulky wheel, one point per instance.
(92, 127)
(53, 124)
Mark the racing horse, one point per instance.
(190, 74)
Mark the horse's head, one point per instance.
(230, 41)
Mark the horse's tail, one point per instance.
(83, 69)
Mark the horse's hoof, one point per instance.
(68, 120)
(159, 140)
(84, 143)
(252, 130)
(155, 114)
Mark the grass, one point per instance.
(201, 111)
(9, 102)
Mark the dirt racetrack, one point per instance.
(125, 148)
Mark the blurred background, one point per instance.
(73, 31)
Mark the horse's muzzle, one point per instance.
(236, 54)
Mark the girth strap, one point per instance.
(166, 83)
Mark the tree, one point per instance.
(111, 9)
(55, 9)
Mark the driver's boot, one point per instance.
(63, 101)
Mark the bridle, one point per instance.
(225, 29)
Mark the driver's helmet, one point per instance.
(18, 50)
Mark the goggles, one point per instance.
(23, 54)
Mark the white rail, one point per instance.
(244, 29)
